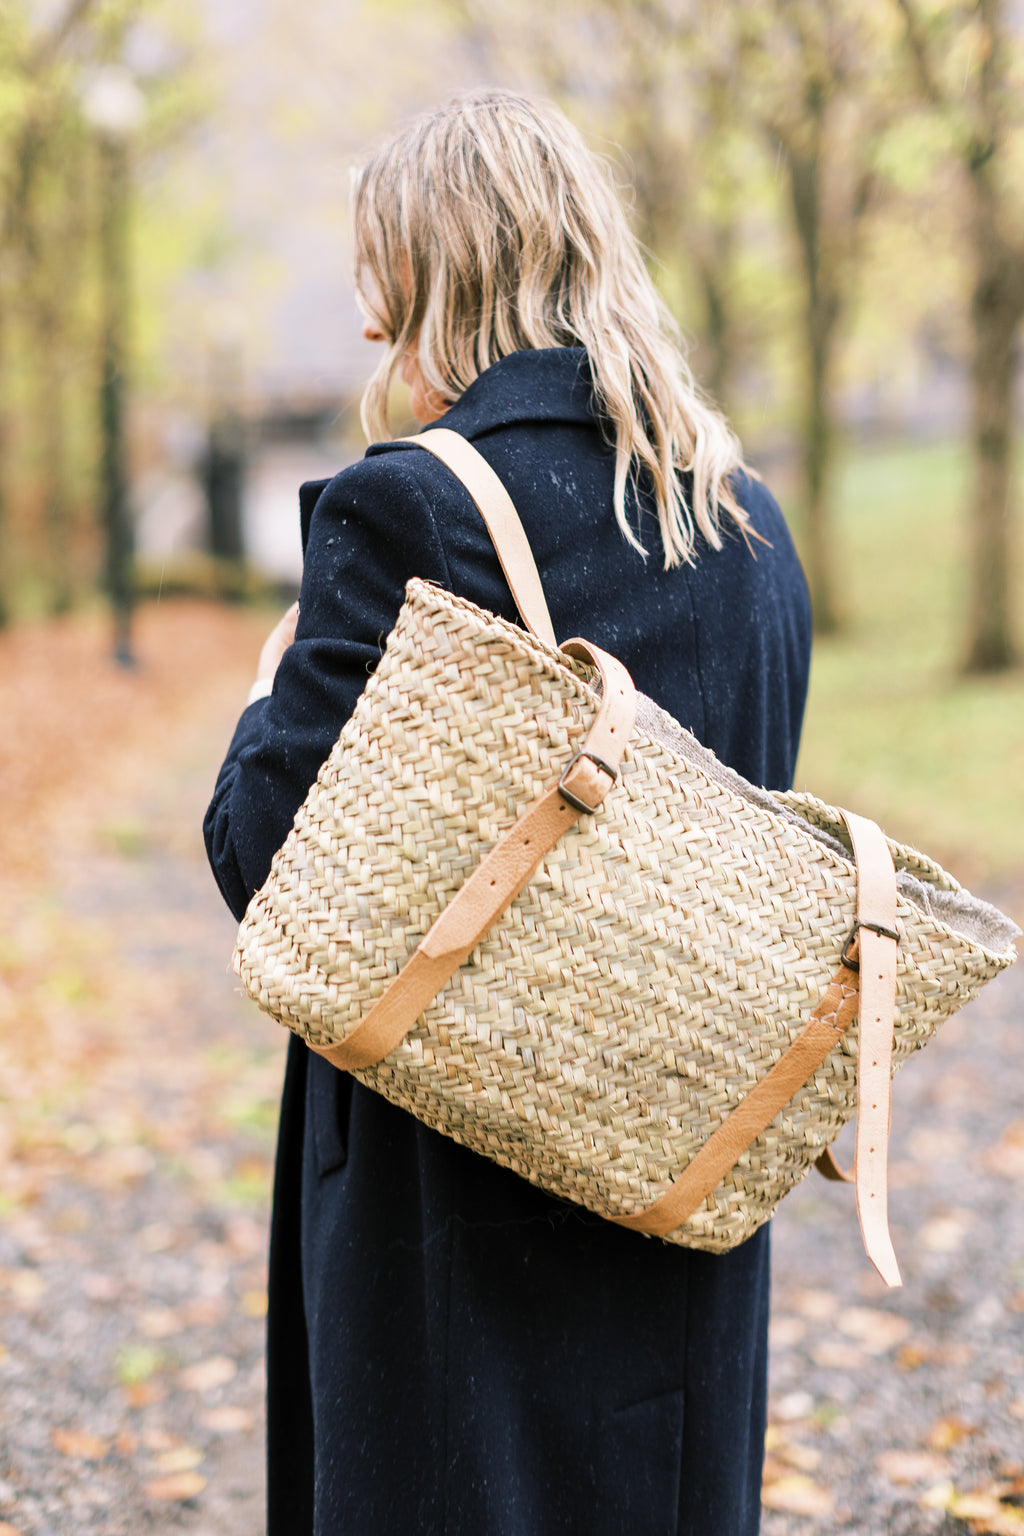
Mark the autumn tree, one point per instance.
(655, 79)
(41, 250)
(969, 67)
(51, 222)
(52, 253)
(817, 83)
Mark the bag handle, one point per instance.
(496, 507)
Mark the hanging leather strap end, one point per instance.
(876, 939)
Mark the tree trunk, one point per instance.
(120, 571)
(718, 320)
(995, 314)
(53, 424)
(5, 563)
(817, 466)
(821, 312)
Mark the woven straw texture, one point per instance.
(666, 953)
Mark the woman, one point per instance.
(449, 1349)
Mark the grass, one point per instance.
(893, 729)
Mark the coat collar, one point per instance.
(548, 384)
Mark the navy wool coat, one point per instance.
(451, 1350)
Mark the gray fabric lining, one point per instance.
(974, 919)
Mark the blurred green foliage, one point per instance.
(50, 292)
(890, 729)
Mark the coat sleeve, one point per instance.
(371, 530)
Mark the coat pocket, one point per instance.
(328, 1101)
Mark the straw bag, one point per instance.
(523, 903)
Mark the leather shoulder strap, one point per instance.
(501, 874)
(499, 514)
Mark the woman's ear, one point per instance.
(371, 307)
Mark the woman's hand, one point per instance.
(276, 643)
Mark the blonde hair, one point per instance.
(488, 228)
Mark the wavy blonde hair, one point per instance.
(489, 227)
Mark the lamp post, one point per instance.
(113, 107)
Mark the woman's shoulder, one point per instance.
(393, 490)
(385, 470)
(757, 500)
(772, 546)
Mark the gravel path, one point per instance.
(137, 1136)
(135, 1150)
(889, 1407)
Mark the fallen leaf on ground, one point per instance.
(203, 1309)
(160, 1323)
(962, 1086)
(818, 1305)
(938, 1496)
(957, 1355)
(906, 1175)
(794, 1405)
(910, 1466)
(927, 1144)
(116, 1167)
(987, 1515)
(176, 1487)
(797, 1495)
(136, 1363)
(948, 1432)
(217, 1371)
(785, 1331)
(7, 1529)
(804, 1458)
(80, 1445)
(227, 1420)
(160, 1440)
(183, 1458)
(837, 1355)
(99, 1287)
(772, 1471)
(983, 1510)
(946, 1233)
(140, 1394)
(1007, 1156)
(1008, 1521)
(157, 1237)
(26, 1285)
(874, 1330)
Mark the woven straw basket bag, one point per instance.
(524, 904)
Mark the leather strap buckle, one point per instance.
(847, 959)
(574, 799)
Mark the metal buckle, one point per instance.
(887, 933)
(567, 794)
